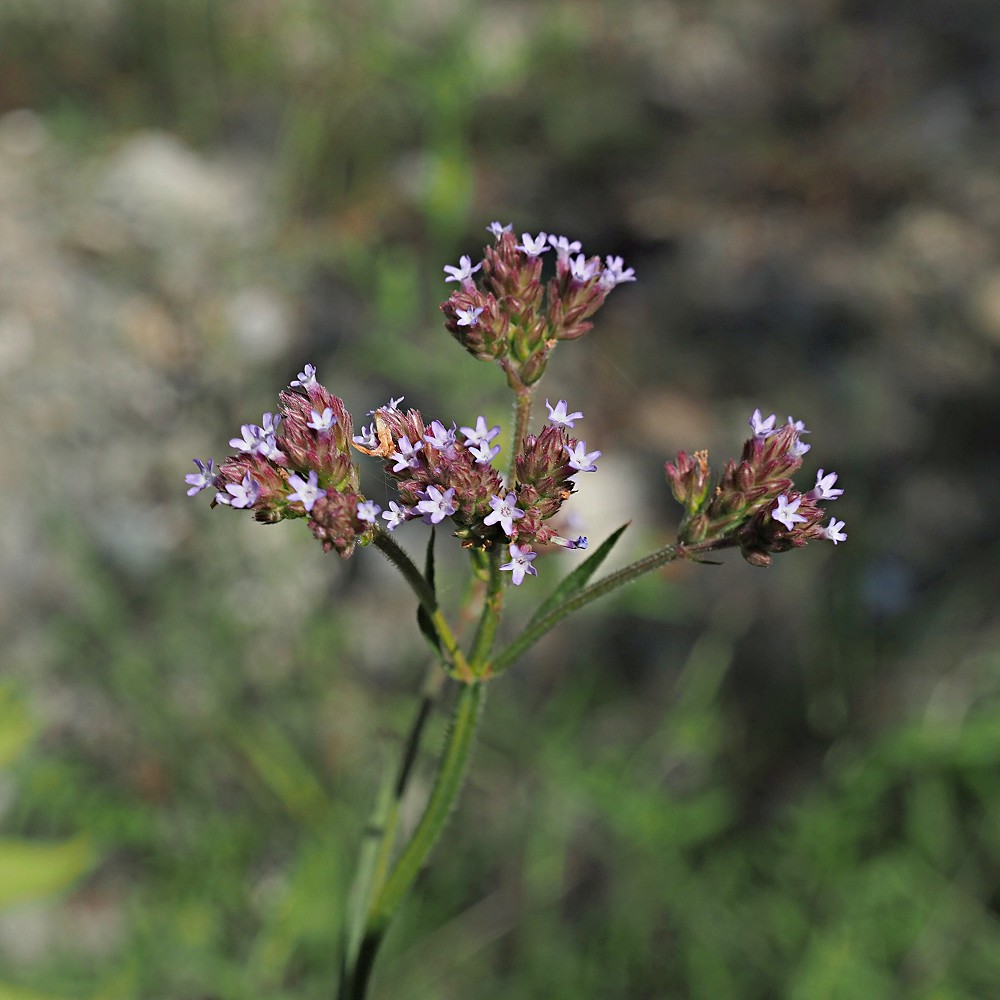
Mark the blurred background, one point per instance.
(722, 782)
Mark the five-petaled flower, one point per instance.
(469, 317)
(306, 377)
(834, 531)
(521, 558)
(322, 422)
(243, 494)
(406, 456)
(368, 511)
(480, 434)
(505, 512)
(533, 247)
(786, 512)
(761, 427)
(395, 515)
(559, 416)
(203, 478)
(307, 491)
(437, 505)
(824, 489)
(463, 272)
(580, 459)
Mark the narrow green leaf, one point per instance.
(423, 619)
(34, 869)
(577, 580)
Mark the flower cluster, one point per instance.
(296, 463)
(755, 504)
(447, 472)
(502, 311)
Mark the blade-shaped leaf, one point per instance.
(34, 869)
(423, 619)
(578, 579)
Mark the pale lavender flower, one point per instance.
(785, 512)
(580, 459)
(761, 428)
(824, 489)
(203, 478)
(463, 272)
(580, 542)
(583, 270)
(306, 378)
(406, 457)
(533, 247)
(798, 447)
(479, 434)
(798, 426)
(521, 558)
(564, 247)
(497, 229)
(559, 416)
(367, 438)
(243, 494)
(322, 422)
(834, 531)
(483, 453)
(254, 440)
(270, 422)
(368, 511)
(469, 317)
(396, 515)
(615, 272)
(436, 506)
(441, 438)
(307, 492)
(505, 512)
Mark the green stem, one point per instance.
(605, 585)
(453, 655)
(455, 759)
(522, 417)
(489, 618)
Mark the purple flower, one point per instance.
(823, 490)
(469, 317)
(368, 511)
(396, 515)
(834, 531)
(559, 416)
(441, 438)
(533, 247)
(322, 422)
(564, 247)
(498, 230)
(307, 492)
(785, 512)
(505, 512)
(254, 441)
(761, 428)
(463, 272)
(306, 377)
(243, 494)
(270, 424)
(520, 563)
(615, 272)
(436, 506)
(480, 434)
(580, 542)
(580, 459)
(583, 270)
(798, 447)
(484, 454)
(367, 438)
(406, 457)
(798, 425)
(203, 478)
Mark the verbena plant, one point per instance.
(302, 462)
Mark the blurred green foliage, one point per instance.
(786, 788)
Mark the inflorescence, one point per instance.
(300, 461)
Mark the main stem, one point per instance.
(454, 761)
